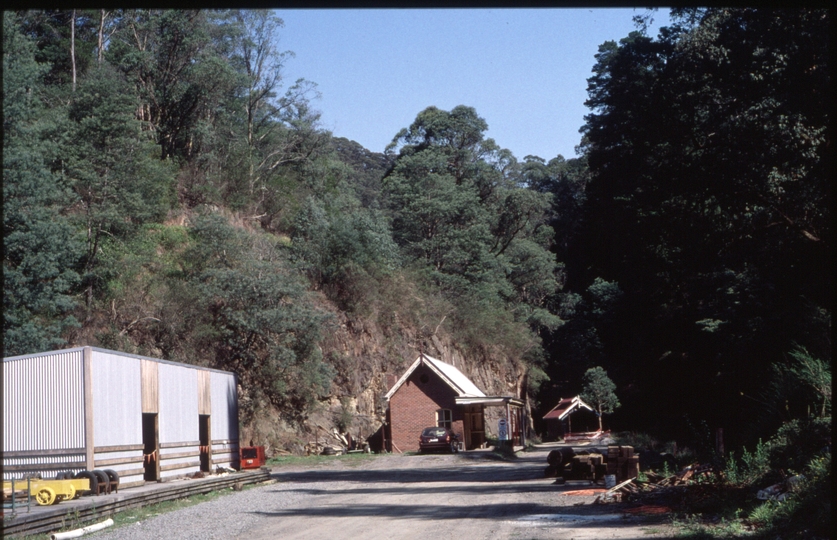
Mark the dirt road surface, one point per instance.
(465, 496)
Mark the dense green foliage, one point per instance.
(167, 192)
(600, 392)
(708, 203)
(459, 213)
(168, 189)
(40, 252)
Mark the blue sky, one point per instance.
(524, 70)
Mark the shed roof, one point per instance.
(565, 407)
(118, 353)
(454, 378)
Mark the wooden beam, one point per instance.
(204, 392)
(179, 455)
(617, 486)
(117, 461)
(150, 390)
(180, 444)
(23, 454)
(89, 439)
(118, 448)
(224, 441)
(47, 466)
(176, 466)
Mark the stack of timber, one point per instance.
(622, 462)
(588, 467)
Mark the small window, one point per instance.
(444, 418)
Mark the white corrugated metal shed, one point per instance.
(91, 408)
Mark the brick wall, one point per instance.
(413, 407)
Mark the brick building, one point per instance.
(434, 393)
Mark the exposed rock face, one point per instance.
(368, 358)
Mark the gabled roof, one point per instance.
(565, 407)
(454, 378)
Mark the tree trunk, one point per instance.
(600, 418)
(101, 35)
(73, 47)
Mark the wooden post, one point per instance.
(89, 440)
(719, 441)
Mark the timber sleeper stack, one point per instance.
(619, 461)
(622, 462)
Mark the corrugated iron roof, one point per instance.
(108, 351)
(454, 378)
(565, 407)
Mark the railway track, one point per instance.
(87, 509)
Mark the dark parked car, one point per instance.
(438, 438)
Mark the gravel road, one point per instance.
(465, 496)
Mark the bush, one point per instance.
(636, 439)
(753, 466)
(806, 513)
(796, 441)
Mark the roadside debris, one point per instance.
(336, 443)
(593, 464)
(633, 489)
(618, 468)
(616, 493)
(782, 490)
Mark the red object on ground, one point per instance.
(252, 457)
(591, 491)
(648, 509)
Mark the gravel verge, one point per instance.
(475, 495)
(214, 519)
(225, 517)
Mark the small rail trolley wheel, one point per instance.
(70, 495)
(45, 496)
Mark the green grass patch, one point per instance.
(694, 527)
(135, 515)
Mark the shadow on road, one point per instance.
(470, 486)
(480, 473)
(525, 514)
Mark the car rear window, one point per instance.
(434, 432)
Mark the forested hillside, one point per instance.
(702, 261)
(168, 193)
